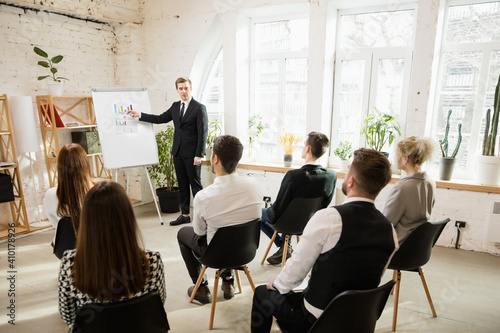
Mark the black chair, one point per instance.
(293, 221)
(352, 311)
(232, 247)
(141, 314)
(414, 253)
(65, 237)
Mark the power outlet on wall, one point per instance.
(460, 224)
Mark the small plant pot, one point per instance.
(446, 165)
(169, 200)
(488, 170)
(343, 165)
(287, 160)
(55, 88)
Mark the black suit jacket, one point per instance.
(190, 134)
(310, 181)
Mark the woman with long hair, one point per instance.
(73, 182)
(109, 263)
(410, 201)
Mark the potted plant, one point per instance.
(488, 164)
(55, 87)
(163, 173)
(380, 128)
(448, 161)
(255, 128)
(344, 152)
(214, 130)
(289, 142)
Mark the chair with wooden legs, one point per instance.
(293, 221)
(232, 247)
(414, 253)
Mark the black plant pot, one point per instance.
(169, 200)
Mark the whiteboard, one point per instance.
(126, 142)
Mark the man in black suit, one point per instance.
(191, 126)
(310, 181)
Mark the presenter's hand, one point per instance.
(197, 160)
(270, 283)
(133, 114)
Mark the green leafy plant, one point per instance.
(443, 144)
(164, 172)
(344, 150)
(214, 130)
(255, 127)
(380, 128)
(49, 63)
(491, 137)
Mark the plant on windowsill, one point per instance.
(344, 152)
(55, 86)
(214, 130)
(448, 161)
(380, 128)
(289, 142)
(488, 164)
(255, 128)
(163, 173)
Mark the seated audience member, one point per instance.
(347, 247)
(109, 263)
(230, 200)
(73, 182)
(310, 181)
(410, 201)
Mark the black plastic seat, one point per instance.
(141, 314)
(65, 237)
(293, 221)
(414, 253)
(232, 247)
(353, 311)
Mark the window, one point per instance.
(372, 69)
(468, 72)
(279, 82)
(213, 91)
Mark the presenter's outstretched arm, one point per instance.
(133, 114)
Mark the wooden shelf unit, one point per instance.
(48, 112)
(8, 154)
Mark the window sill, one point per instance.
(455, 184)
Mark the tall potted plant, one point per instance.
(55, 86)
(488, 164)
(380, 128)
(163, 173)
(447, 161)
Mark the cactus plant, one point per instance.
(443, 144)
(491, 137)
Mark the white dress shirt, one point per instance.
(230, 200)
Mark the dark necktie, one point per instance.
(182, 110)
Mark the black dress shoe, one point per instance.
(181, 219)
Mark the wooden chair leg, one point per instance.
(396, 301)
(269, 247)
(394, 277)
(198, 282)
(237, 279)
(421, 273)
(214, 299)
(285, 251)
(247, 273)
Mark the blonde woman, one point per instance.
(410, 202)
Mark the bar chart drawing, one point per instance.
(124, 123)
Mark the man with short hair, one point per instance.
(310, 181)
(191, 127)
(347, 247)
(230, 200)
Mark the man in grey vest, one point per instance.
(347, 247)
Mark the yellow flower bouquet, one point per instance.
(289, 142)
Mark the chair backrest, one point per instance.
(296, 215)
(354, 311)
(232, 246)
(65, 237)
(416, 249)
(141, 314)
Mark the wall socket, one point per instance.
(460, 224)
(267, 199)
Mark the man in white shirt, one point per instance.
(347, 247)
(230, 200)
